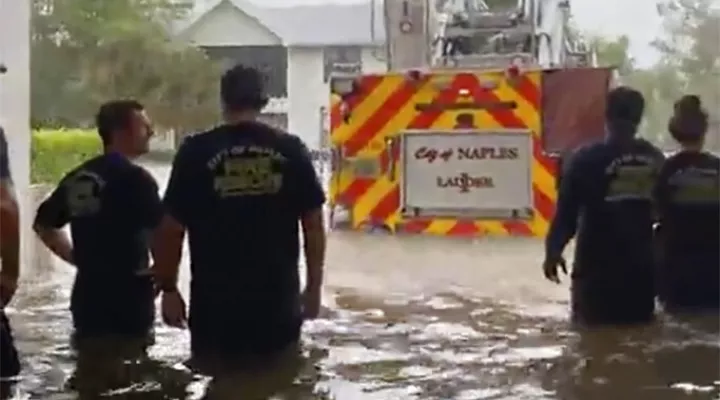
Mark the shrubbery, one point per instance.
(56, 152)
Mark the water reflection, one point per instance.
(666, 360)
(441, 346)
(116, 368)
(409, 319)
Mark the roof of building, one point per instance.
(309, 25)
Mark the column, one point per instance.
(15, 100)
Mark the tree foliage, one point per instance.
(689, 64)
(86, 52)
(614, 52)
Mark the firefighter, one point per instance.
(239, 191)
(112, 206)
(688, 207)
(10, 257)
(606, 192)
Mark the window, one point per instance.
(349, 58)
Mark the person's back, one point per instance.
(111, 294)
(111, 206)
(241, 192)
(688, 205)
(605, 197)
(613, 264)
(243, 234)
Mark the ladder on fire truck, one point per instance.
(477, 34)
(481, 35)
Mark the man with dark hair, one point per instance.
(239, 191)
(606, 190)
(111, 205)
(10, 257)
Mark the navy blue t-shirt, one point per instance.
(687, 196)
(240, 191)
(111, 205)
(606, 196)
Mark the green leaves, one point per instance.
(614, 52)
(56, 152)
(689, 63)
(86, 52)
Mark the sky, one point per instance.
(636, 18)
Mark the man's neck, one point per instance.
(118, 150)
(692, 147)
(619, 132)
(233, 118)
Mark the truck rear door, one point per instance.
(573, 103)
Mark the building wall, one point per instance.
(232, 36)
(272, 60)
(295, 73)
(306, 88)
(309, 91)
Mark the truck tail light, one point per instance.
(414, 75)
(513, 72)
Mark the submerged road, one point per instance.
(407, 318)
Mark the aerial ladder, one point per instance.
(474, 34)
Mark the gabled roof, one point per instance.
(199, 13)
(328, 24)
(310, 25)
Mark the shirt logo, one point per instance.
(83, 192)
(246, 171)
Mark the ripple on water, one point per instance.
(409, 319)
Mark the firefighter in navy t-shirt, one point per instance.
(605, 197)
(240, 191)
(687, 196)
(112, 207)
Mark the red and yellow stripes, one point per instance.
(385, 106)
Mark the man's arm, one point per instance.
(51, 217)
(168, 238)
(9, 217)
(310, 197)
(567, 211)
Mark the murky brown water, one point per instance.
(408, 318)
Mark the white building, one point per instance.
(294, 45)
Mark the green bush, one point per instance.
(56, 152)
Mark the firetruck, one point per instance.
(462, 134)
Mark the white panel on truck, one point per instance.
(470, 174)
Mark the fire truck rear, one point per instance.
(461, 136)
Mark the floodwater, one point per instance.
(406, 318)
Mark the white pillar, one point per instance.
(15, 100)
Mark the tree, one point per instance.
(689, 48)
(86, 52)
(689, 63)
(614, 52)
